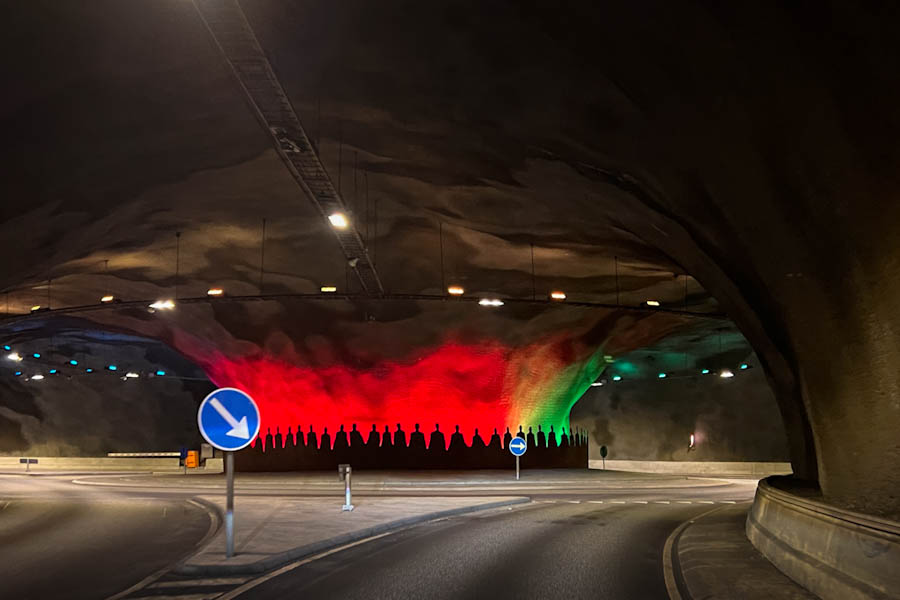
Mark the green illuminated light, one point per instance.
(617, 378)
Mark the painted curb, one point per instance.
(293, 554)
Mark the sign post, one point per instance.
(517, 446)
(603, 453)
(228, 420)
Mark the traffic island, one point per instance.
(271, 532)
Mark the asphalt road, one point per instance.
(62, 540)
(559, 550)
(57, 541)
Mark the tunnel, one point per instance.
(671, 171)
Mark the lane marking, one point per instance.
(668, 550)
(705, 502)
(596, 501)
(574, 501)
(617, 501)
(727, 501)
(287, 568)
(639, 501)
(661, 502)
(684, 502)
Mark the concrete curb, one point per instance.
(293, 554)
(835, 553)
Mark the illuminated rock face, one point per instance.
(328, 363)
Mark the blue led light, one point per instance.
(73, 362)
(662, 375)
(36, 355)
(617, 378)
(18, 373)
(112, 367)
(7, 347)
(744, 366)
(53, 371)
(89, 370)
(160, 373)
(705, 371)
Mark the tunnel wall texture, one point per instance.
(752, 144)
(733, 419)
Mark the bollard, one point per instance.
(344, 472)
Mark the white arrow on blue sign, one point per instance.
(228, 419)
(517, 446)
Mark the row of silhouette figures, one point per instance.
(389, 450)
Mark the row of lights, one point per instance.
(340, 221)
(16, 357)
(724, 373)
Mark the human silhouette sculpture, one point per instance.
(356, 438)
(521, 433)
(399, 437)
(437, 441)
(477, 442)
(457, 443)
(386, 437)
(374, 439)
(279, 439)
(417, 439)
(311, 441)
(551, 438)
(495, 441)
(340, 439)
(530, 438)
(289, 439)
(325, 443)
(507, 438)
(541, 438)
(269, 441)
(563, 439)
(298, 439)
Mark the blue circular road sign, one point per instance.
(228, 419)
(517, 446)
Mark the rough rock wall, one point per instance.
(732, 419)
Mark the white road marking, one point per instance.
(617, 501)
(639, 501)
(726, 501)
(574, 501)
(660, 502)
(684, 502)
(596, 501)
(705, 502)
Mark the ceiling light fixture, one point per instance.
(455, 290)
(215, 292)
(726, 373)
(490, 302)
(557, 295)
(652, 302)
(328, 289)
(107, 299)
(14, 356)
(163, 305)
(338, 220)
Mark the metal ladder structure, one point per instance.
(228, 26)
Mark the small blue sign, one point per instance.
(517, 446)
(228, 419)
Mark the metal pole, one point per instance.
(441, 242)
(517, 468)
(177, 260)
(616, 258)
(533, 288)
(262, 257)
(229, 504)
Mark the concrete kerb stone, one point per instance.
(278, 560)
